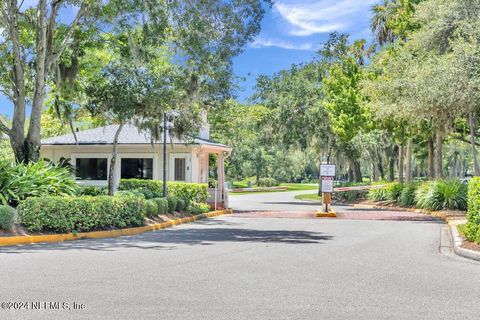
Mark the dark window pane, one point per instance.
(137, 168)
(179, 174)
(91, 168)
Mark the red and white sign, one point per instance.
(327, 184)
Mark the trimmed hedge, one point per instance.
(7, 214)
(172, 204)
(198, 208)
(180, 205)
(162, 205)
(92, 191)
(472, 231)
(81, 214)
(195, 192)
(151, 208)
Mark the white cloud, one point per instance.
(264, 42)
(321, 16)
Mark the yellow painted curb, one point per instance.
(12, 241)
(330, 214)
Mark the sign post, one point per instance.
(327, 176)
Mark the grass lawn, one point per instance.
(309, 196)
(290, 186)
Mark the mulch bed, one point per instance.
(471, 245)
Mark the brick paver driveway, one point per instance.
(284, 205)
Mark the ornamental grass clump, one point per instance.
(407, 196)
(378, 194)
(442, 194)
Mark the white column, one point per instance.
(221, 178)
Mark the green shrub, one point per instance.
(423, 195)
(180, 205)
(187, 203)
(407, 196)
(442, 194)
(162, 205)
(198, 208)
(195, 192)
(7, 215)
(378, 194)
(472, 230)
(172, 203)
(151, 208)
(80, 214)
(92, 191)
(20, 181)
(394, 190)
(349, 196)
(267, 182)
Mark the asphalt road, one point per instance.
(234, 267)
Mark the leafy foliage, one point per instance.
(20, 181)
(195, 192)
(472, 230)
(7, 215)
(198, 208)
(79, 214)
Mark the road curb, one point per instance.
(457, 242)
(452, 222)
(444, 215)
(18, 240)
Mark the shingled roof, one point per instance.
(130, 134)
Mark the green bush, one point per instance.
(267, 182)
(378, 194)
(162, 205)
(20, 181)
(92, 191)
(172, 203)
(195, 192)
(151, 208)
(180, 205)
(349, 196)
(472, 230)
(7, 214)
(407, 197)
(80, 214)
(394, 190)
(442, 194)
(198, 208)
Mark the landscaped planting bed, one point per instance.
(472, 230)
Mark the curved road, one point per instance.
(250, 267)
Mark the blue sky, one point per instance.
(292, 31)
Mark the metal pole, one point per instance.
(164, 154)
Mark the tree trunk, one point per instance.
(408, 167)
(381, 170)
(354, 166)
(350, 174)
(17, 133)
(438, 154)
(113, 160)
(374, 172)
(391, 165)
(431, 159)
(32, 143)
(400, 163)
(319, 178)
(471, 121)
